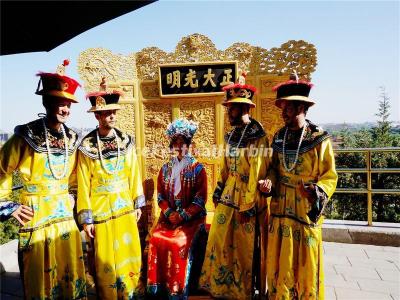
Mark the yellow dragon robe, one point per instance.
(50, 249)
(295, 255)
(108, 201)
(228, 270)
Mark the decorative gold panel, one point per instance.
(148, 60)
(95, 63)
(265, 68)
(127, 89)
(202, 112)
(227, 125)
(126, 118)
(277, 62)
(150, 89)
(242, 52)
(194, 48)
(292, 55)
(270, 117)
(267, 82)
(156, 118)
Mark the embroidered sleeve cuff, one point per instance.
(140, 202)
(85, 216)
(7, 208)
(199, 201)
(167, 212)
(159, 198)
(185, 215)
(319, 204)
(251, 212)
(218, 190)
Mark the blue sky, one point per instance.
(357, 47)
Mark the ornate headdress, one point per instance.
(104, 100)
(57, 84)
(293, 90)
(239, 92)
(184, 127)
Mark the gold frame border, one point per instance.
(235, 62)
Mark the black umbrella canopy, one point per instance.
(31, 26)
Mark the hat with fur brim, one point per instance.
(239, 92)
(103, 100)
(293, 90)
(57, 84)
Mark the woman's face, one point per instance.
(179, 145)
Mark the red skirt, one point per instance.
(170, 257)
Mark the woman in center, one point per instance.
(182, 194)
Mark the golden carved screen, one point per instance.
(145, 114)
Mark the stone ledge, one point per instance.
(358, 232)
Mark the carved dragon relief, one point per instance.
(95, 63)
(202, 112)
(292, 55)
(157, 116)
(123, 70)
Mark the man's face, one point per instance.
(235, 112)
(107, 118)
(58, 109)
(289, 113)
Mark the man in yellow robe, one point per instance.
(303, 178)
(44, 153)
(228, 270)
(110, 195)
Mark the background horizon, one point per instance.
(357, 51)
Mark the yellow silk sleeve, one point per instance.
(10, 157)
(259, 161)
(135, 180)
(328, 177)
(83, 174)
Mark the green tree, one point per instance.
(9, 229)
(386, 208)
(381, 133)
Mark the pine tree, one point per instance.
(386, 208)
(381, 134)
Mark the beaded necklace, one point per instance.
(297, 151)
(101, 155)
(58, 177)
(240, 140)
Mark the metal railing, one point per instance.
(369, 170)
